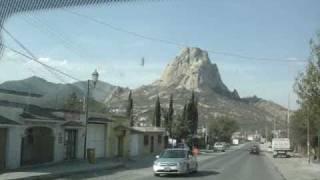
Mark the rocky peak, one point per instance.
(235, 94)
(192, 69)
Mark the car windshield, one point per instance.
(174, 154)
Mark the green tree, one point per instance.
(186, 124)
(222, 128)
(192, 114)
(180, 129)
(170, 116)
(307, 87)
(130, 109)
(157, 113)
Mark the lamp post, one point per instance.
(95, 76)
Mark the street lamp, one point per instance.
(95, 76)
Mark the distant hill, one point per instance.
(54, 95)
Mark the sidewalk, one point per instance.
(295, 167)
(61, 169)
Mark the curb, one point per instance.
(63, 174)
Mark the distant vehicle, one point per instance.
(250, 138)
(175, 161)
(220, 146)
(255, 149)
(235, 141)
(280, 147)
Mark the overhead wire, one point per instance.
(47, 66)
(54, 33)
(30, 53)
(170, 42)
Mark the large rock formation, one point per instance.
(193, 70)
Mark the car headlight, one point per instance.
(182, 163)
(156, 163)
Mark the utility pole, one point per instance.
(274, 128)
(94, 80)
(308, 138)
(319, 145)
(86, 120)
(288, 117)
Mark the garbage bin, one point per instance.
(91, 155)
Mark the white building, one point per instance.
(33, 135)
(146, 140)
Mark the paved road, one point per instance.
(232, 165)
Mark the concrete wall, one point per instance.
(14, 139)
(13, 154)
(80, 143)
(138, 148)
(135, 145)
(112, 141)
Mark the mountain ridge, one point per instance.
(191, 70)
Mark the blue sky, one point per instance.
(273, 29)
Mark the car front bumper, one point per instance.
(157, 169)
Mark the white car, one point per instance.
(175, 161)
(220, 146)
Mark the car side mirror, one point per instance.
(157, 156)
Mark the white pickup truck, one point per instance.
(280, 146)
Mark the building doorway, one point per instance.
(37, 146)
(70, 140)
(3, 143)
(152, 144)
(120, 146)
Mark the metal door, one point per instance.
(71, 143)
(3, 142)
(152, 144)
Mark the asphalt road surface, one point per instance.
(232, 165)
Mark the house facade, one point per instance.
(32, 135)
(146, 140)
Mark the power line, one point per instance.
(31, 54)
(47, 66)
(170, 42)
(41, 63)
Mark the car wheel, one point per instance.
(155, 174)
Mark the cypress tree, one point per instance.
(130, 109)
(157, 113)
(170, 115)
